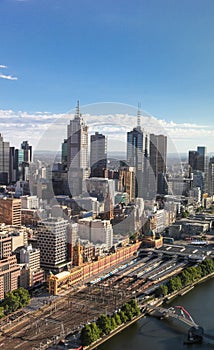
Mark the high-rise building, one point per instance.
(103, 189)
(193, 156)
(98, 155)
(27, 150)
(198, 161)
(9, 275)
(96, 231)
(9, 269)
(52, 242)
(5, 245)
(202, 158)
(4, 161)
(64, 156)
(77, 153)
(138, 156)
(127, 181)
(10, 211)
(211, 177)
(158, 152)
(23, 158)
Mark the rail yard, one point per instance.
(71, 309)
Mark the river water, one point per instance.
(153, 334)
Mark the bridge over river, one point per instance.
(195, 332)
(177, 312)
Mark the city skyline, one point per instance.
(159, 54)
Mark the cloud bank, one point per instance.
(46, 131)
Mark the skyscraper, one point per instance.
(52, 242)
(10, 211)
(4, 161)
(211, 177)
(193, 156)
(158, 152)
(77, 153)
(198, 161)
(27, 151)
(202, 158)
(98, 154)
(137, 157)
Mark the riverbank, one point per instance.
(156, 302)
(113, 333)
(187, 289)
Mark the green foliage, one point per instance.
(123, 316)
(105, 324)
(199, 209)
(134, 307)
(113, 323)
(117, 319)
(15, 300)
(128, 311)
(185, 214)
(162, 290)
(1, 311)
(186, 277)
(174, 284)
(89, 334)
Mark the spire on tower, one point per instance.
(138, 115)
(78, 110)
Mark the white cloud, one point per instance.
(2, 66)
(8, 77)
(47, 131)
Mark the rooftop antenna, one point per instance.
(138, 115)
(78, 109)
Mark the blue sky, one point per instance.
(158, 52)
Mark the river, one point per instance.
(150, 333)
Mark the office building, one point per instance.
(96, 231)
(211, 177)
(9, 269)
(137, 157)
(126, 181)
(77, 153)
(158, 152)
(27, 151)
(4, 161)
(9, 275)
(98, 155)
(104, 190)
(31, 273)
(5, 245)
(10, 211)
(198, 162)
(52, 242)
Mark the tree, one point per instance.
(104, 324)
(186, 278)
(113, 323)
(134, 307)
(11, 302)
(128, 311)
(123, 316)
(23, 296)
(86, 335)
(95, 331)
(162, 290)
(2, 312)
(117, 319)
(15, 300)
(174, 284)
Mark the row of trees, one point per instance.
(186, 277)
(13, 301)
(106, 324)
